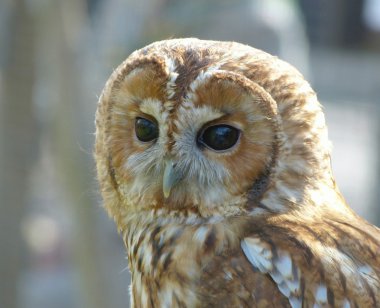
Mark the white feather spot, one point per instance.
(203, 76)
(295, 302)
(166, 296)
(227, 275)
(144, 297)
(346, 303)
(367, 273)
(293, 285)
(152, 107)
(147, 259)
(192, 220)
(170, 86)
(257, 254)
(281, 269)
(200, 234)
(321, 295)
(365, 270)
(277, 277)
(284, 266)
(284, 289)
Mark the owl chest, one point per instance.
(167, 263)
(195, 267)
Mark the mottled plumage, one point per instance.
(213, 159)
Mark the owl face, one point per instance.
(197, 126)
(202, 149)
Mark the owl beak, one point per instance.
(171, 177)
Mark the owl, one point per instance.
(214, 161)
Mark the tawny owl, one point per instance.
(213, 159)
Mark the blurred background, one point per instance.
(57, 246)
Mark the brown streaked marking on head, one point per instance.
(189, 63)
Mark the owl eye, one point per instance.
(146, 130)
(219, 137)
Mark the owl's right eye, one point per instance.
(219, 137)
(146, 130)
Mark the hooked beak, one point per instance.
(171, 177)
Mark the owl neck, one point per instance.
(148, 233)
(170, 251)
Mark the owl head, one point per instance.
(213, 128)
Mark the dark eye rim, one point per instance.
(202, 143)
(151, 120)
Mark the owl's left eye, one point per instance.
(219, 137)
(146, 130)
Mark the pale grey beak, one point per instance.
(171, 177)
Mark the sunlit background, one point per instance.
(58, 248)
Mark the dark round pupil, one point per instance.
(146, 130)
(220, 137)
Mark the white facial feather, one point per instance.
(171, 71)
